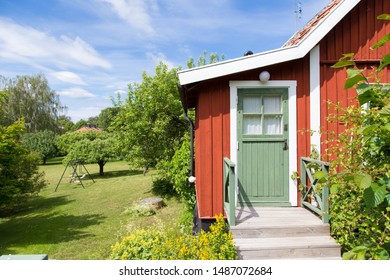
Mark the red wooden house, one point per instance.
(257, 110)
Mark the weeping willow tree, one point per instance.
(31, 98)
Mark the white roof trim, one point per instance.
(254, 61)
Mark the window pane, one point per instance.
(252, 125)
(272, 104)
(252, 104)
(272, 125)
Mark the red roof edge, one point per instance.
(85, 128)
(301, 34)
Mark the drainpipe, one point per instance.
(182, 92)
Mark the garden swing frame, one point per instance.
(74, 164)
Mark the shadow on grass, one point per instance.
(44, 229)
(115, 174)
(35, 204)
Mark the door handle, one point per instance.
(285, 145)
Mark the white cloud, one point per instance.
(135, 12)
(29, 45)
(76, 93)
(158, 57)
(68, 77)
(84, 113)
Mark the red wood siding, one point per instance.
(212, 135)
(356, 33)
(212, 144)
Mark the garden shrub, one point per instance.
(42, 143)
(359, 217)
(19, 174)
(360, 157)
(175, 172)
(156, 244)
(163, 187)
(353, 224)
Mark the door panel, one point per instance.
(262, 152)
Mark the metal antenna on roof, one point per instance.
(298, 14)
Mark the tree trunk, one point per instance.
(101, 168)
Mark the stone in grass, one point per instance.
(155, 202)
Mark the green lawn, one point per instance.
(77, 223)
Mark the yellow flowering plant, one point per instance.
(154, 244)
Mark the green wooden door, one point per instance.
(263, 146)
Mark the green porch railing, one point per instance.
(311, 189)
(229, 192)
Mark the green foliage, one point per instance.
(175, 172)
(106, 117)
(31, 98)
(18, 167)
(90, 147)
(42, 143)
(360, 197)
(359, 211)
(150, 122)
(345, 61)
(154, 244)
(202, 60)
(81, 123)
(64, 124)
(66, 141)
(163, 187)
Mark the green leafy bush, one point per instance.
(163, 187)
(359, 200)
(43, 143)
(360, 182)
(19, 174)
(155, 244)
(175, 172)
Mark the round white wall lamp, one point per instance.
(191, 179)
(264, 76)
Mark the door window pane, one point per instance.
(252, 104)
(272, 125)
(252, 124)
(272, 104)
(262, 115)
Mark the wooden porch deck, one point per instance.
(282, 233)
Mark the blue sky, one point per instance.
(90, 50)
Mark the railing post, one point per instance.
(308, 168)
(232, 196)
(303, 180)
(325, 201)
(229, 192)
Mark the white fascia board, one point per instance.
(315, 99)
(238, 65)
(264, 59)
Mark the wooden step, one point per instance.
(309, 247)
(256, 231)
(282, 233)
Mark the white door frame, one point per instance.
(292, 130)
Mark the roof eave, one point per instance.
(238, 65)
